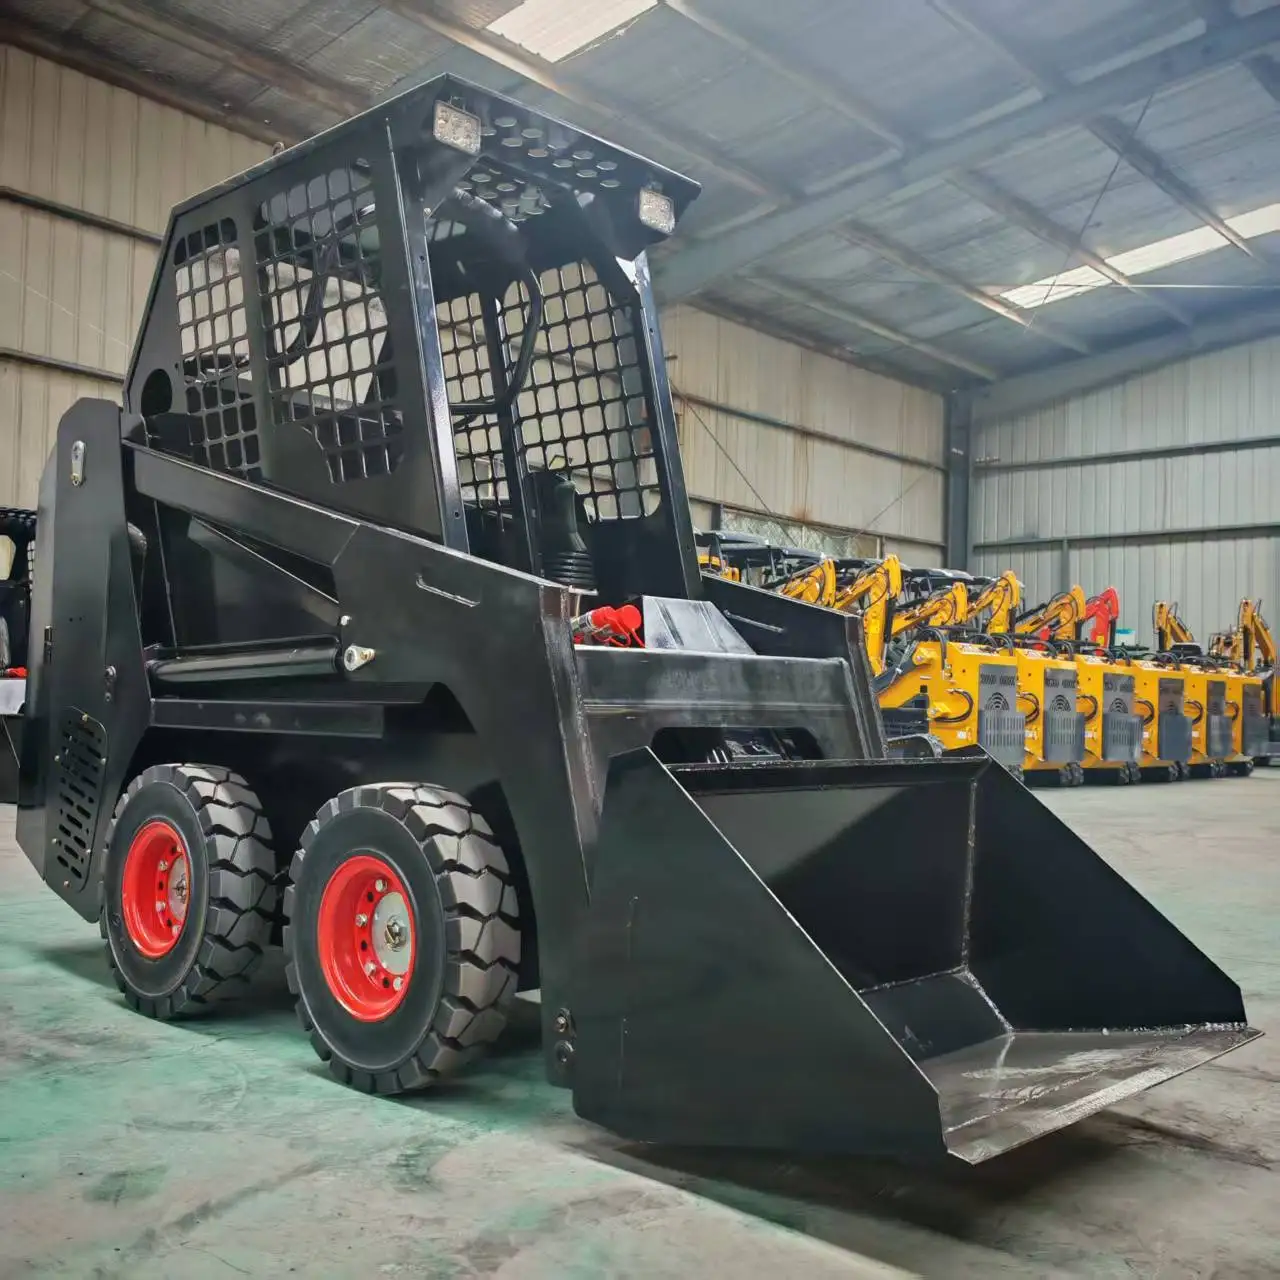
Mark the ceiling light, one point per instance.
(554, 29)
(1144, 259)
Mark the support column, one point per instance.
(959, 460)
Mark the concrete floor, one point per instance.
(130, 1148)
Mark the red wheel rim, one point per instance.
(364, 935)
(155, 889)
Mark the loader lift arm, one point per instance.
(1057, 619)
(1172, 634)
(1258, 644)
(947, 607)
(1001, 596)
(873, 591)
(1103, 612)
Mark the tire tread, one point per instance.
(482, 937)
(243, 890)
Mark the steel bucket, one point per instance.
(907, 958)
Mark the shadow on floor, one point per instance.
(84, 960)
(838, 1200)
(267, 997)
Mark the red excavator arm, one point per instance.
(1100, 616)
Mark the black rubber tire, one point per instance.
(465, 918)
(233, 892)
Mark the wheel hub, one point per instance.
(155, 888)
(365, 937)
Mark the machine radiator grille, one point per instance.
(81, 755)
(1063, 736)
(1255, 730)
(1173, 736)
(1122, 735)
(1003, 735)
(1218, 738)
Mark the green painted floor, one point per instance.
(130, 1148)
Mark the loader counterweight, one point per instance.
(396, 424)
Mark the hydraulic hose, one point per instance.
(964, 715)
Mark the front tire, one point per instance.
(402, 935)
(189, 892)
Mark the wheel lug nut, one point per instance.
(380, 886)
(164, 865)
(398, 983)
(361, 920)
(371, 968)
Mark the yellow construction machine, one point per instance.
(1159, 696)
(1250, 651)
(1205, 681)
(1105, 694)
(1047, 686)
(938, 678)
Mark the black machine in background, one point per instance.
(17, 557)
(397, 416)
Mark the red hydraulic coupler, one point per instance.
(618, 627)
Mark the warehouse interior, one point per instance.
(967, 381)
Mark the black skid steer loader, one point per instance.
(308, 659)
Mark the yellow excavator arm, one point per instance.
(1169, 628)
(873, 592)
(946, 608)
(1002, 597)
(1057, 619)
(1258, 648)
(813, 586)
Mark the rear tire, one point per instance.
(400, 882)
(189, 889)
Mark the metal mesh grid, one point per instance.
(468, 376)
(585, 409)
(213, 338)
(329, 362)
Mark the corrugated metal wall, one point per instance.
(818, 475)
(72, 295)
(1201, 528)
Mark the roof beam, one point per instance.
(210, 42)
(1217, 13)
(809, 79)
(1016, 210)
(697, 266)
(812, 81)
(1024, 392)
(1113, 135)
(847, 315)
(549, 76)
(80, 55)
(865, 238)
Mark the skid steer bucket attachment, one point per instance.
(909, 958)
